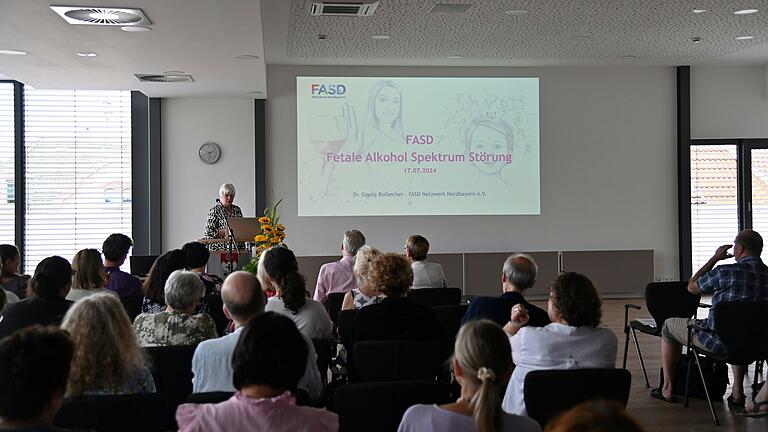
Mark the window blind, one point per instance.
(78, 170)
(760, 191)
(7, 170)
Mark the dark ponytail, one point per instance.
(280, 265)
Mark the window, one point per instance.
(77, 171)
(7, 161)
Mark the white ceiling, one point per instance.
(198, 37)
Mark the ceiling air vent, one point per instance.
(104, 16)
(155, 78)
(343, 8)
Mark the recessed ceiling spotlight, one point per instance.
(581, 37)
(629, 57)
(515, 12)
(745, 37)
(746, 11)
(135, 29)
(380, 37)
(255, 92)
(696, 39)
(456, 56)
(247, 57)
(700, 11)
(13, 52)
(322, 36)
(86, 54)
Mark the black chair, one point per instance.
(663, 300)
(549, 392)
(450, 320)
(435, 296)
(209, 397)
(397, 360)
(333, 305)
(380, 406)
(132, 305)
(742, 326)
(140, 264)
(144, 412)
(171, 368)
(344, 319)
(324, 352)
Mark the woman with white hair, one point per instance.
(177, 325)
(215, 226)
(365, 294)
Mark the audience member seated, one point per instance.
(396, 317)
(34, 367)
(212, 362)
(46, 304)
(89, 277)
(115, 249)
(279, 270)
(196, 258)
(744, 280)
(482, 363)
(425, 273)
(572, 341)
(517, 275)
(10, 280)
(365, 294)
(6, 297)
(594, 416)
(760, 407)
(154, 285)
(339, 276)
(177, 324)
(267, 362)
(107, 358)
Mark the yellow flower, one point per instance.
(281, 227)
(267, 228)
(260, 238)
(265, 220)
(262, 248)
(275, 240)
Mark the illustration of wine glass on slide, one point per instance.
(329, 134)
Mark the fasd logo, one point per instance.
(329, 89)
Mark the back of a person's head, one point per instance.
(391, 274)
(278, 264)
(106, 350)
(7, 252)
(353, 240)
(116, 247)
(164, 265)
(363, 259)
(576, 299)
(520, 270)
(482, 351)
(594, 416)
(34, 366)
(195, 254)
(182, 289)
(751, 241)
(89, 270)
(52, 275)
(243, 296)
(270, 352)
(417, 247)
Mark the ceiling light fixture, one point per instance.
(247, 57)
(745, 38)
(629, 57)
(456, 56)
(13, 52)
(380, 37)
(696, 39)
(700, 11)
(746, 11)
(135, 29)
(87, 54)
(581, 37)
(515, 12)
(103, 16)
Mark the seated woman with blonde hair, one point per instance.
(90, 277)
(107, 358)
(481, 363)
(365, 294)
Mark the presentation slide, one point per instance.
(417, 146)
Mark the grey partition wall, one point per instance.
(309, 266)
(453, 268)
(483, 273)
(614, 273)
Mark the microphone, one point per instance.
(218, 201)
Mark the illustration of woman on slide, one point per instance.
(384, 128)
(491, 136)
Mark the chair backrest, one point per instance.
(435, 296)
(132, 305)
(742, 326)
(333, 305)
(450, 320)
(344, 320)
(172, 370)
(670, 300)
(548, 392)
(209, 397)
(397, 360)
(380, 406)
(144, 412)
(140, 264)
(324, 353)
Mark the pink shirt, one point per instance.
(335, 277)
(241, 413)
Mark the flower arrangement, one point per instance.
(272, 234)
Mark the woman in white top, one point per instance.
(481, 363)
(89, 276)
(279, 270)
(572, 341)
(365, 294)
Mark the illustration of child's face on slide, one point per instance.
(387, 106)
(487, 140)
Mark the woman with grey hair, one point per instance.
(177, 325)
(215, 226)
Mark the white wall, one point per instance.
(608, 168)
(729, 102)
(189, 186)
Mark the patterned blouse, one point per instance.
(361, 300)
(216, 222)
(173, 328)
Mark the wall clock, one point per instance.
(209, 152)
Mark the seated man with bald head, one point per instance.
(518, 274)
(212, 362)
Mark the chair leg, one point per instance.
(706, 390)
(626, 346)
(687, 377)
(640, 356)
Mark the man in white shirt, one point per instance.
(339, 276)
(425, 274)
(212, 362)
